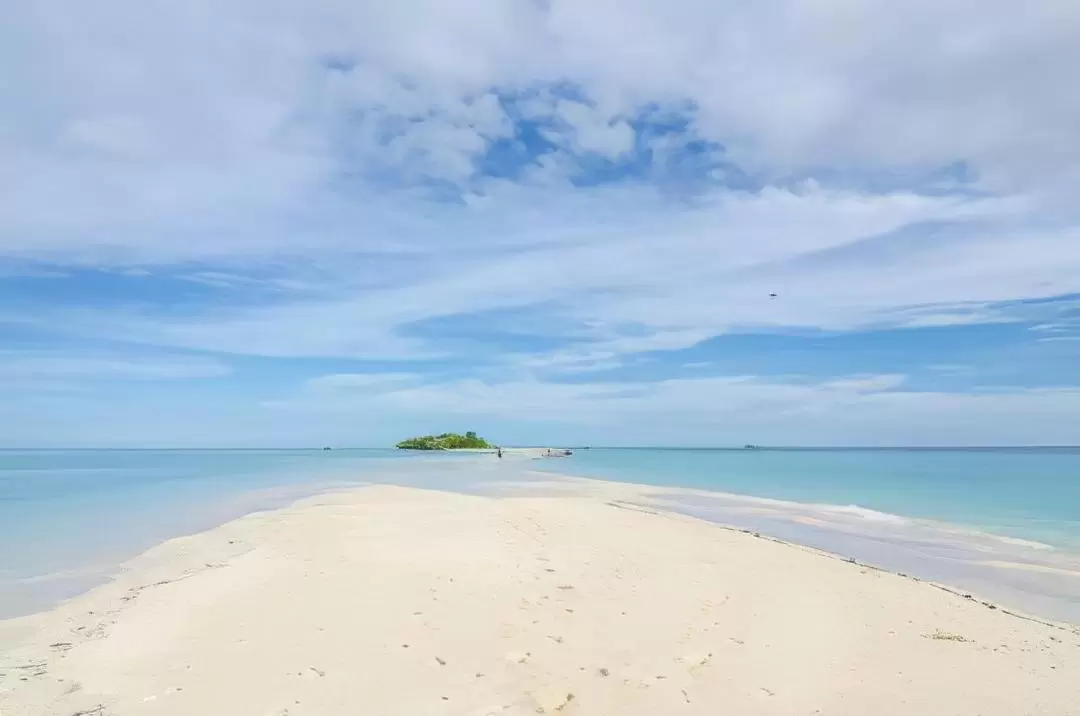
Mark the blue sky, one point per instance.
(275, 223)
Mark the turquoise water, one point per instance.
(1027, 493)
(69, 517)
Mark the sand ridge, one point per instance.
(387, 600)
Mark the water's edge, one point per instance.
(1025, 575)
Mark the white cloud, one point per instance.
(360, 381)
(837, 260)
(205, 131)
(592, 131)
(33, 369)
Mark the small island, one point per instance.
(446, 441)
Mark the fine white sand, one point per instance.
(388, 600)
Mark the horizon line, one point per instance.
(747, 447)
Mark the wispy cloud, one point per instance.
(711, 270)
(360, 381)
(855, 410)
(32, 370)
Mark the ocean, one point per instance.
(1027, 493)
(68, 518)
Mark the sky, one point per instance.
(644, 222)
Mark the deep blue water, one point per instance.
(1029, 493)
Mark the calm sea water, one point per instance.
(69, 517)
(1028, 493)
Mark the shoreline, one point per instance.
(565, 555)
(626, 495)
(1023, 495)
(1029, 578)
(1005, 554)
(650, 496)
(998, 571)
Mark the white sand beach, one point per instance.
(389, 600)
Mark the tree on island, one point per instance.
(446, 441)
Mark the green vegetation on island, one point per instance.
(446, 441)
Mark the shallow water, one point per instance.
(1025, 493)
(1002, 524)
(1021, 575)
(68, 518)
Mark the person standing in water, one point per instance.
(498, 451)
